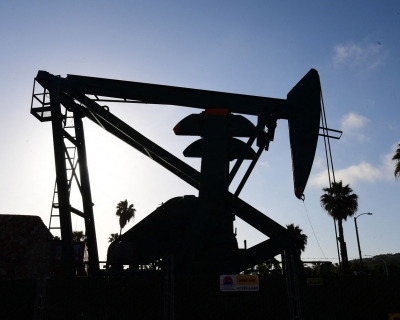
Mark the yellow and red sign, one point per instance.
(246, 283)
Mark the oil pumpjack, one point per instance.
(196, 231)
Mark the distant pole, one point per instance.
(358, 242)
(358, 239)
(387, 273)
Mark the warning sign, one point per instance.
(227, 283)
(239, 283)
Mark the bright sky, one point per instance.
(252, 47)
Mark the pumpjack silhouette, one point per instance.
(196, 231)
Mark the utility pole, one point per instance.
(358, 239)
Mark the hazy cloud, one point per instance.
(319, 162)
(352, 123)
(363, 172)
(352, 55)
(263, 164)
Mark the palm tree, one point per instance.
(340, 203)
(78, 236)
(396, 158)
(125, 213)
(300, 242)
(301, 239)
(113, 237)
(269, 266)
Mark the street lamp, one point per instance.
(384, 262)
(358, 240)
(387, 273)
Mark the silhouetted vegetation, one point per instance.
(340, 203)
(270, 266)
(125, 213)
(78, 236)
(396, 158)
(301, 238)
(113, 237)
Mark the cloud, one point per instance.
(263, 164)
(319, 162)
(352, 55)
(363, 172)
(352, 123)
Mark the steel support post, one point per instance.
(86, 194)
(169, 289)
(123, 131)
(67, 257)
(248, 172)
(239, 161)
(211, 219)
(283, 260)
(292, 262)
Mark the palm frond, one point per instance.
(339, 201)
(301, 239)
(125, 213)
(396, 158)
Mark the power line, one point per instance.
(327, 142)
(313, 229)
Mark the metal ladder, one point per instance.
(70, 156)
(292, 288)
(70, 159)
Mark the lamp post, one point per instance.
(358, 240)
(387, 273)
(384, 263)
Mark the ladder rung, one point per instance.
(71, 147)
(69, 127)
(55, 228)
(55, 215)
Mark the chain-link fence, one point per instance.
(199, 297)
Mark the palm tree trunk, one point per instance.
(337, 243)
(343, 249)
(120, 230)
